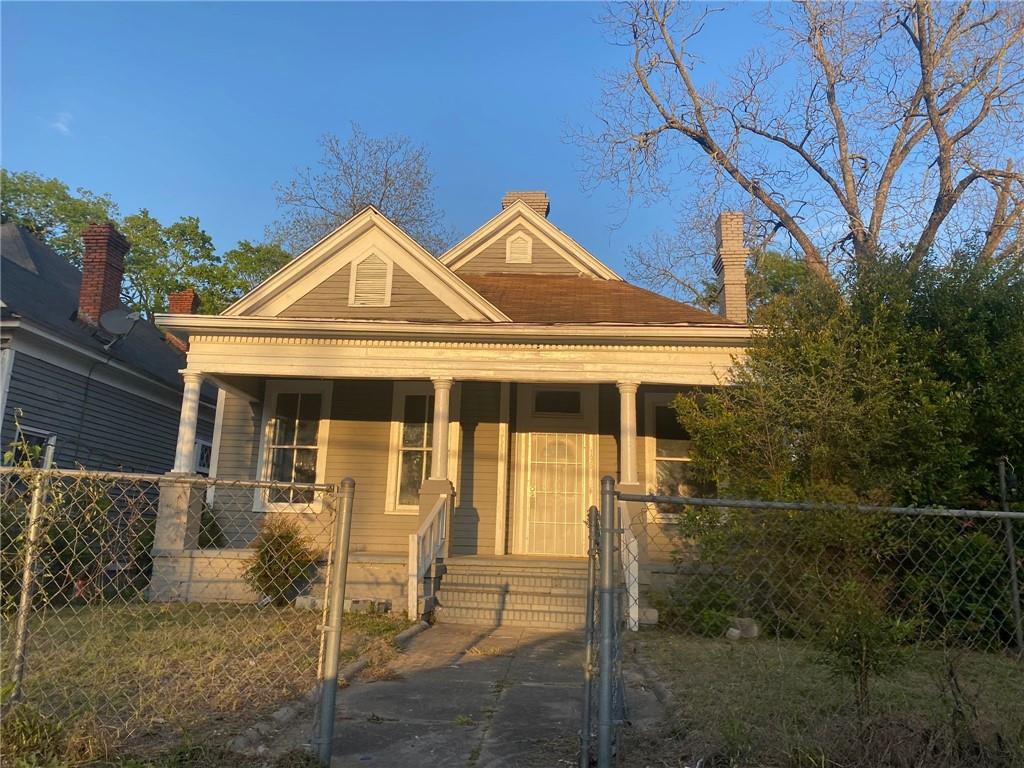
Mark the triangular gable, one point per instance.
(520, 216)
(367, 231)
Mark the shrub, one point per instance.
(283, 561)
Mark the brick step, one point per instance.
(514, 598)
(553, 619)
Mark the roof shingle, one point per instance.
(579, 299)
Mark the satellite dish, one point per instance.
(118, 322)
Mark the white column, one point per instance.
(439, 447)
(627, 431)
(184, 456)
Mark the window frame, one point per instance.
(529, 248)
(46, 435)
(273, 389)
(389, 266)
(198, 468)
(653, 401)
(400, 391)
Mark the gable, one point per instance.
(408, 300)
(504, 254)
(490, 248)
(319, 282)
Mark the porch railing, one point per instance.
(425, 547)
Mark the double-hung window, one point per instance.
(412, 434)
(294, 435)
(669, 469)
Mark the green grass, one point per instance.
(770, 703)
(148, 677)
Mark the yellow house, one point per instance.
(509, 375)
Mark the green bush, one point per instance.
(283, 562)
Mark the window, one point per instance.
(519, 249)
(28, 448)
(557, 402)
(370, 283)
(669, 470)
(203, 455)
(414, 449)
(296, 420)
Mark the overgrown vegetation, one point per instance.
(902, 385)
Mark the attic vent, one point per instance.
(370, 284)
(519, 249)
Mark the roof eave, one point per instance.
(728, 334)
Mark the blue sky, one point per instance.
(197, 109)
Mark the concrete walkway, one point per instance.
(467, 696)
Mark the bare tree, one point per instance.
(856, 125)
(390, 173)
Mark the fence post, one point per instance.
(336, 606)
(1011, 560)
(606, 653)
(28, 571)
(588, 635)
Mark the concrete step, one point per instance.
(535, 582)
(553, 619)
(491, 597)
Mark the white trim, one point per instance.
(577, 333)
(6, 371)
(325, 257)
(218, 434)
(465, 249)
(509, 258)
(398, 394)
(389, 271)
(501, 524)
(526, 425)
(275, 387)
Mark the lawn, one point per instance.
(144, 678)
(770, 703)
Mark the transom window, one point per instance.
(292, 447)
(558, 402)
(414, 450)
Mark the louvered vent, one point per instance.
(519, 250)
(370, 283)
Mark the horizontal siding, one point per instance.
(545, 259)
(238, 453)
(475, 517)
(409, 301)
(98, 426)
(360, 431)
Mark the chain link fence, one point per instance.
(818, 634)
(139, 611)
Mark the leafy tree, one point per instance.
(164, 259)
(391, 173)
(244, 267)
(51, 211)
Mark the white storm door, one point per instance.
(555, 469)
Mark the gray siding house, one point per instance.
(110, 401)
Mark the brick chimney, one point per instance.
(102, 270)
(731, 266)
(183, 302)
(537, 200)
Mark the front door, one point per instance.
(554, 469)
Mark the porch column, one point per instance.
(439, 446)
(627, 432)
(184, 455)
